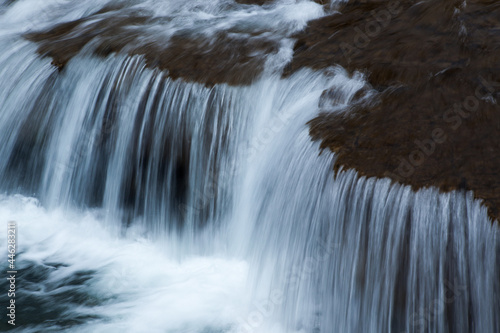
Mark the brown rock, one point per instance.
(435, 119)
(224, 58)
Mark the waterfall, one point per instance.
(147, 203)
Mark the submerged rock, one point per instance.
(434, 119)
(232, 57)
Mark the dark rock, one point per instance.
(224, 58)
(434, 119)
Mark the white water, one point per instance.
(150, 205)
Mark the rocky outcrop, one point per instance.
(431, 118)
(226, 57)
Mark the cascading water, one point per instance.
(147, 204)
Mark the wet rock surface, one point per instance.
(432, 117)
(232, 57)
